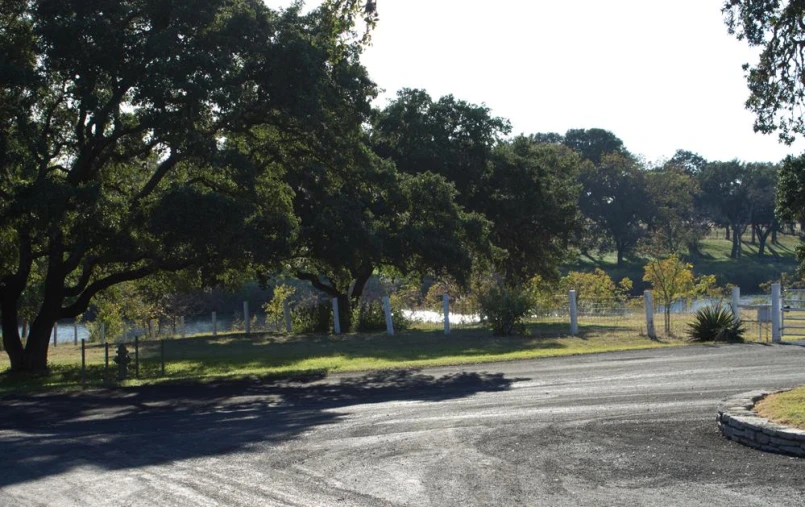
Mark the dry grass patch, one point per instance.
(785, 408)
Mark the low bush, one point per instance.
(316, 317)
(369, 317)
(504, 308)
(716, 323)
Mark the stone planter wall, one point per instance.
(738, 422)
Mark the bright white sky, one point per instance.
(661, 76)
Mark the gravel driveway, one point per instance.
(629, 428)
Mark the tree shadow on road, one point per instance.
(48, 434)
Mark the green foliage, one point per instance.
(615, 202)
(594, 289)
(146, 163)
(672, 280)
(532, 194)
(505, 307)
(674, 219)
(368, 317)
(593, 144)
(313, 317)
(275, 308)
(715, 323)
(777, 92)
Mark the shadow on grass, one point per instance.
(282, 352)
(240, 355)
(46, 434)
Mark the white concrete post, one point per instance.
(181, 325)
(649, 315)
(776, 314)
(286, 310)
(153, 329)
(336, 318)
(247, 326)
(387, 311)
(214, 324)
(75, 332)
(574, 314)
(446, 308)
(736, 309)
(103, 332)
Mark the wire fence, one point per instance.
(170, 346)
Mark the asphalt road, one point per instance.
(632, 428)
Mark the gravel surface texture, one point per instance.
(628, 428)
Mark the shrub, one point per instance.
(505, 308)
(716, 323)
(275, 309)
(369, 316)
(315, 317)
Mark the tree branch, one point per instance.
(314, 280)
(158, 175)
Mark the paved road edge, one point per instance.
(739, 423)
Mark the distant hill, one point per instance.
(748, 272)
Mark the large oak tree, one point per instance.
(121, 140)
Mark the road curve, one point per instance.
(628, 428)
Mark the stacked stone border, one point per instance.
(739, 423)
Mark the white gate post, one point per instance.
(246, 323)
(387, 311)
(446, 305)
(649, 315)
(574, 314)
(286, 310)
(736, 310)
(776, 314)
(75, 332)
(336, 318)
(214, 324)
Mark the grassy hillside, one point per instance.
(748, 272)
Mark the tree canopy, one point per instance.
(120, 132)
(777, 81)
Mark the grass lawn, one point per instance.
(747, 272)
(273, 355)
(785, 408)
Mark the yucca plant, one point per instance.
(715, 323)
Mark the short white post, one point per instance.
(214, 325)
(181, 325)
(246, 324)
(446, 305)
(649, 315)
(736, 309)
(387, 311)
(336, 318)
(776, 314)
(103, 332)
(286, 310)
(75, 332)
(153, 329)
(574, 314)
